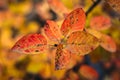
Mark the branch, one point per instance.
(93, 6)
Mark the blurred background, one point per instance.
(21, 17)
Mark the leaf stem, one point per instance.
(92, 7)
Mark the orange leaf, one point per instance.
(108, 43)
(94, 32)
(62, 57)
(100, 22)
(52, 31)
(88, 72)
(81, 42)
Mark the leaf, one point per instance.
(81, 42)
(52, 31)
(100, 23)
(31, 43)
(108, 43)
(62, 58)
(75, 21)
(115, 4)
(88, 72)
(94, 32)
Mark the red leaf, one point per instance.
(31, 43)
(75, 21)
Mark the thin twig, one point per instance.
(93, 6)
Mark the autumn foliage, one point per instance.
(60, 39)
